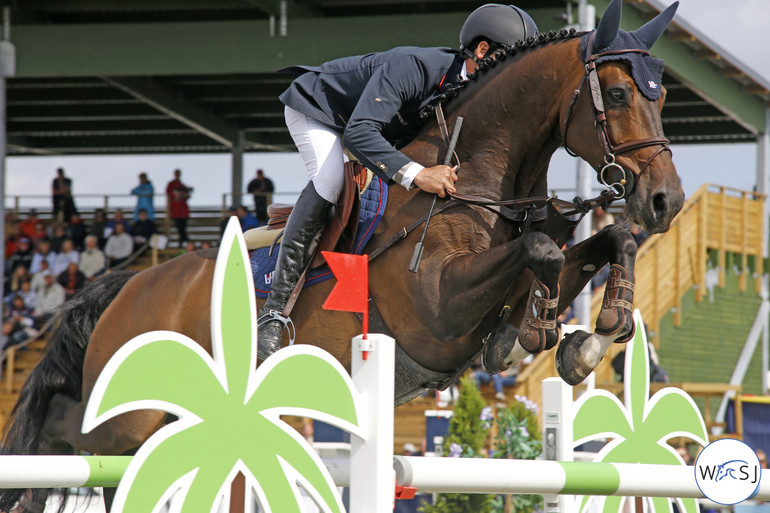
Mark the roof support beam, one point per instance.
(168, 103)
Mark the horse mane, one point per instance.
(501, 54)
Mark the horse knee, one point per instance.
(542, 253)
(624, 244)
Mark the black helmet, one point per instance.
(497, 23)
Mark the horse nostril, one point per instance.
(659, 205)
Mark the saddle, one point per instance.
(340, 230)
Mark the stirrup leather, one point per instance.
(274, 315)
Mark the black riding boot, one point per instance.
(303, 229)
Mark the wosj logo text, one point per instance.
(733, 469)
(727, 471)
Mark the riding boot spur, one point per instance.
(538, 330)
(300, 238)
(617, 316)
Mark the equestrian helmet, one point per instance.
(497, 23)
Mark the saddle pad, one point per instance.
(373, 202)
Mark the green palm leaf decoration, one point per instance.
(639, 429)
(229, 410)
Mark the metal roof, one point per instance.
(153, 76)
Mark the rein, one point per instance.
(623, 182)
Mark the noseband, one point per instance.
(612, 175)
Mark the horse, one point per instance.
(489, 283)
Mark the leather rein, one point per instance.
(623, 180)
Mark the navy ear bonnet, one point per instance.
(646, 70)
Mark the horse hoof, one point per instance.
(498, 346)
(571, 358)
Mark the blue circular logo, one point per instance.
(727, 471)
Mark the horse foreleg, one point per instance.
(580, 352)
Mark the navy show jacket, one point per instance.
(374, 99)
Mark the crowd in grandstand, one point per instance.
(50, 257)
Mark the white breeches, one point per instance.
(321, 150)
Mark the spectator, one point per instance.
(49, 298)
(144, 193)
(68, 255)
(21, 323)
(72, 280)
(28, 225)
(205, 245)
(247, 220)
(99, 226)
(26, 293)
(507, 378)
(262, 189)
(188, 248)
(92, 260)
(19, 275)
(43, 252)
(143, 228)
(40, 232)
(177, 195)
(117, 218)
(657, 373)
(232, 211)
(63, 204)
(600, 219)
(77, 231)
(685, 454)
(119, 246)
(12, 239)
(59, 234)
(22, 256)
(38, 278)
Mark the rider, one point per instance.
(365, 103)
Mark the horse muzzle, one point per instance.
(654, 211)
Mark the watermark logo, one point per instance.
(727, 471)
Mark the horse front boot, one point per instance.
(538, 329)
(616, 317)
(300, 238)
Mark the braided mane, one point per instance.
(500, 55)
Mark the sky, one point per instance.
(738, 26)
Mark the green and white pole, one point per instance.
(477, 475)
(61, 471)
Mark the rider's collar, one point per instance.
(646, 70)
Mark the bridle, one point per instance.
(612, 175)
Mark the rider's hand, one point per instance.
(437, 179)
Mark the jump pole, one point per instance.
(484, 475)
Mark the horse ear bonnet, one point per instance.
(646, 70)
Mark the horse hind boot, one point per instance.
(538, 330)
(616, 316)
(300, 238)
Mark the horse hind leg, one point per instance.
(538, 330)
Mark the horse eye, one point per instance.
(616, 95)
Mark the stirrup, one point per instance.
(274, 315)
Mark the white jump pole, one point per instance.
(477, 475)
(372, 479)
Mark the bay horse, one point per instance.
(477, 268)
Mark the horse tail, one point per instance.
(59, 371)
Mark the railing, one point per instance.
(715, 218)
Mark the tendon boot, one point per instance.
(538, 329)
(617, 315)
(300, 238)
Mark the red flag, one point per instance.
(351, 293)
